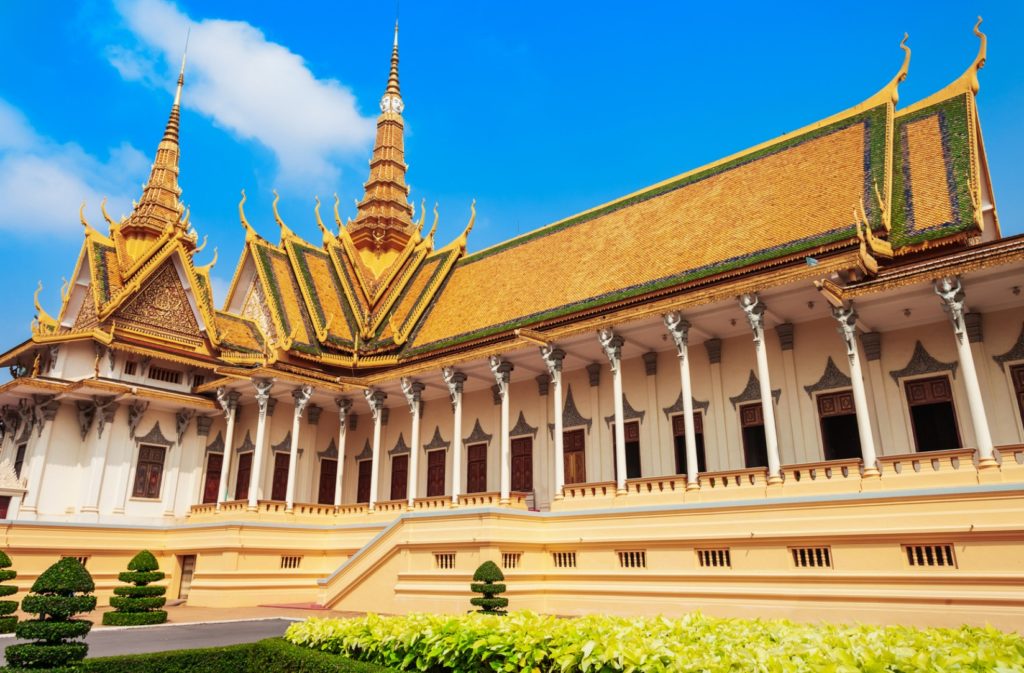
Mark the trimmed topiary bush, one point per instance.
(60, 592)
(8, 620)
(484, 583)
(138, 603)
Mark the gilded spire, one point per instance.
(393, 89)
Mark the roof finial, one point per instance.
(392, 100)
(979, 60)
(181, 74)
(285, 231)
(250, 233)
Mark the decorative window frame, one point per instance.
(958, 402)
(155, 437)
(1013, 357)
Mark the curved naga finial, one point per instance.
(285, 231)
(423, 216)
(81, 216)
(250, 233)
(461, 240)
(106, 216)
(208, 267)
(901, 74)
(433, 227)
(320, 222)
(43, 317)
(337, 217)
(979, 60)
(201, 247)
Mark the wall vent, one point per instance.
(564, 559)
(444, 560)
(632, 559)
(510, 559)
(812, 557)
(714, 558)
(130, 367)
(290, 562)
(930, 555)
(164, 375)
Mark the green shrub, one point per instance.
(484, 583)
(138, 603)
(8, 620)
(56, 595)
(523, 641)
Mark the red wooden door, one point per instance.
(522, 464)
(574, 451)
(279, 488)
(365, 473)
(214, 463)
(244, 473)
(328, 477)
(399, 477)
(476, 468)
(435, 473)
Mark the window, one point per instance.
(435, 473)
(149, 471)
(930, 555)
(198, 380)
(476, 468)
(19, 458)
(812, 557)
(399, 477)
(714, 558)
(164, 375)
(932, 415)
(632, 432)
(290, 562)
(755, 444)
(444, 560)
(363, 486)
(244, 474)
(679, 438)
(575, 456)
(130, 367)
(214, 463)
(5, 504)
(1017, 376)
(328, 477)
(522, 464)
(279, 484)
(839, 436)
(632, 559)
(510, 559)
(564, 559)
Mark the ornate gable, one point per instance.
(163, 304)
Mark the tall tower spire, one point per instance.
(158, 208)
(384, 215)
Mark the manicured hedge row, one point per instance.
(267, 656)
(523, 641)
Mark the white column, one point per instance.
(679, 330)
(454, 380)
(612, 345)
(344, 406)
(413, 391)
(375, 398)
(502, 370)
(301, 396)
(37, 462)
(755, 308)
(228, 401)
(846, 316)
(951, 292)
(106, 408)
(553, 357)
(263, 386)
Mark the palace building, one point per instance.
(790, 382)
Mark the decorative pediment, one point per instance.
(1015, 353)
(571, 416)
(522, 428)
(753, 392)
(246, 445)
(156, 436)
(478, 436)
(331, 451)
(161, 303)
(366, 453)
(677, 406)
(285, 445)
(921, 362)
(831, 378)
(10, 484)
(628, 413)
(217, 445)
(400, 448)
(436, 442)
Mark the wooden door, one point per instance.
(188, 569)
(1017, 376)
(838, 420)
(244, 473)
(574, 451)
(328, 477)
(755, 444)
(214, 462)
(476, 468)
(932, 414)
(400, 477)
(522, 464)
(279, 487)
(435, 473)
(365, 474)
(679, 438)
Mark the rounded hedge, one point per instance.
(35, 655)
(8, 620)
(144, 561)
(58, 607)
(140, 578)
(489, 603)
(51, 631)
(132, 590)
(488, 572)
(134, 618)
(132, 604)
(57, 595)
(5, 560)
(7, 575)
(137, 603)
(64, 578)
(484, 588)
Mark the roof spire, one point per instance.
(392, 100)
(181, 74)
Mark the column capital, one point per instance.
(263, 385)
(454, 379)
(228, 399)
(502, 370)
(413, 391)
(846, 316)
(302, 395)
(679, 329)
(754, 308)
(552, 356)
(872, 343)
(612, 344)
(375, 398)
(344, 406)
(543, 382)
(951, 294)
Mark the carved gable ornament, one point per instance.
(571, 416)
(217, 445)
(285, 445)
(366, 453)
(436, 442)
(921, 362)
(628, 413)
(1015, 353)
(478, 436)
(162, 303)
(830, 379)
(677, 406)
(247, 444)
(155, 436)
(752, 393)
(522, 428)
(400, 448)
(331, 452)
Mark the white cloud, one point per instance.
(257, 89)
(43, 182)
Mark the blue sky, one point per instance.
(536, 109)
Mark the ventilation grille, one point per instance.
(81, 559)
(198, 380)
(164, 375)
(564, 559)
(290, 562)
(444, 560)
(130, 367)
(632, 559)
(510, 559)
(812, 557)
(930, 555)
(714, 558)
